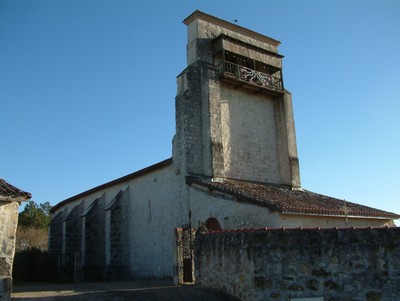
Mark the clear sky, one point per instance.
(87, 90)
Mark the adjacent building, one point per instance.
(10, 199)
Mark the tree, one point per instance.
(32, 262)
(33, 224)
(35, 216)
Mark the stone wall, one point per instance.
(157, 206)
(56, 233)
(8, 226)
(332, 264)
(93, 251)
(72, 256)
(225, 132)
(250, 136)
(190, 109)
(117, 248)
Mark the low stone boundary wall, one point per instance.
(301, 264)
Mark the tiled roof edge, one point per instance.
(239, 198)
(266, 229)
(379, 214)
(387, 215)
(9, 192)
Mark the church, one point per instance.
(234, 165)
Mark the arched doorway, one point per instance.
(212, 224)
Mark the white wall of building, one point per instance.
(230, 213)
(249, 135)
(157, 207)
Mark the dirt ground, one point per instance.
(117, 291)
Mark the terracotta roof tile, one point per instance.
(287, 201)
(244, 230)
(9, 192)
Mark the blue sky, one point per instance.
(87, 90)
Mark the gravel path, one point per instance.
(117, 291)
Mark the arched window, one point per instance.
(212, 224)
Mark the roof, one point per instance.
(203, 16)
(131, 176)
(12, 193)
(285, 200)
(246, 230)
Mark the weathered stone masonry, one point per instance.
(71, 252)
(336, 264)
(8, 226)
(93, 253)
(10, 199)
(92, 244)
(117, 237)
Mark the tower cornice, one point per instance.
(228, 25)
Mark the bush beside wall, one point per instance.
(34, 265)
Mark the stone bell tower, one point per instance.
(234, 119)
